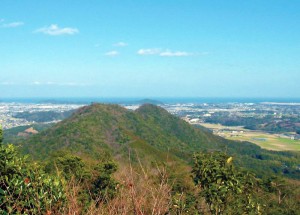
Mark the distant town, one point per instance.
(9, 112)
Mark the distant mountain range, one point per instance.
(154, 134)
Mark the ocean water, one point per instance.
(166, 100)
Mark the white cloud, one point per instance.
(120, 44)
(112, 53)
(174, 54)
(11, 25)
(163, 53)
(148, 51)
(55, 30)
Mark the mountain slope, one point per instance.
(110, 127)
(97, 130)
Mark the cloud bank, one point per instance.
(174, 54)
(112, 53)
(11, 25)
(55, 30)
(149, 51)
(163, 53)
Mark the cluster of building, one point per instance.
(9, 110)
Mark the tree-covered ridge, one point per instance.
(97, 130)
(66, 183)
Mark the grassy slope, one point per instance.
(153, 133)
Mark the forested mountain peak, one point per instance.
(100, 129)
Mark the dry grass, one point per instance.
(141, 191)
(72, 191)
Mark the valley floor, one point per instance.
(277, 142)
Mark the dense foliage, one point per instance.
(80, 150)
(24, 187)
(226, 190)
(78, 173)
(27, 187)
(96, 130)
(230, 190)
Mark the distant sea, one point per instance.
(166, 100)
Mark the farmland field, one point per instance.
(265, 140)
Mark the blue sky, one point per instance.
(149, 48)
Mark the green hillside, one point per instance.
(11, 135)
(97, 130)
(106, 158)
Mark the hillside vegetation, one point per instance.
(12, 135)
(101, 129)
(105, 159)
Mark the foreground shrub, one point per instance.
(225, 189)
(25, 188)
